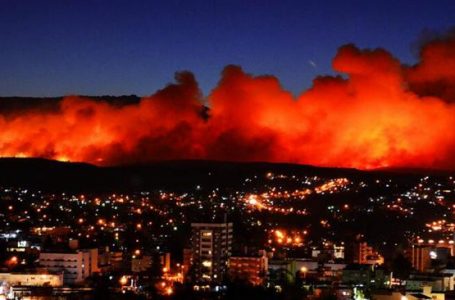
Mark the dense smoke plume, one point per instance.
(378, 114)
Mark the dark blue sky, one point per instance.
(96, 47)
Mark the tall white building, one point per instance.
(76, 266)
(211, 247)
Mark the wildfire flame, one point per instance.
(379, 114)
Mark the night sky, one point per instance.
(53, 48)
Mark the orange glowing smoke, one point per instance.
(379, 114)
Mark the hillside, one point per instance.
(54, 175)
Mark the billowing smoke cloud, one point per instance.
(435, 74)
(379, 114)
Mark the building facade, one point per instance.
(211, 245)
(252, 270)
(20, 279)
(75, 266)
(421, 260)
